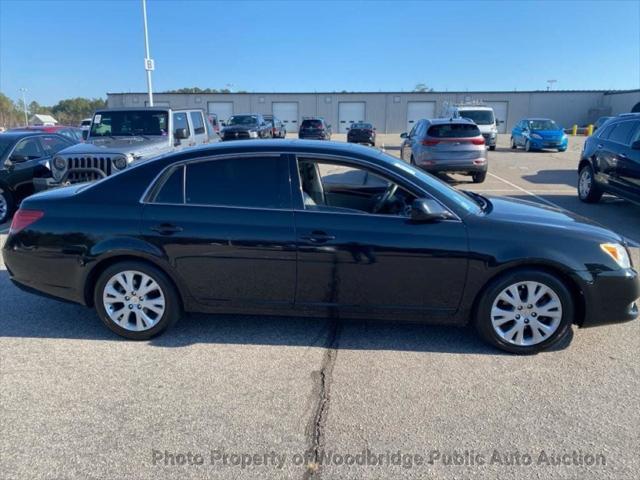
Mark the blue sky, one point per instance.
(61, 49)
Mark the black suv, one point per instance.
(251, 125)
(315, 128)
(24, 156)
(610, 161)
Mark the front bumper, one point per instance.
(609, 297)
(542, 144)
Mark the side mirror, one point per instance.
(85, 134)
(18, 158)
(404, 135)
(636, 145)
(181, 134)
(427, 210)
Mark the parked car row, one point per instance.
(372, 237)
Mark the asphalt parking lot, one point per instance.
(249, 396)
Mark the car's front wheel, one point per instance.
(7, 205)
(136, 300)
(527, 146)
(514, 145)
(525, 311)
(588, 190)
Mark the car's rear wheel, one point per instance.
(492, 148)
(514, 146)
(412, 161)
(136, 300)
(479, 177)
(588, 190)
(7, 204)
(525, 311)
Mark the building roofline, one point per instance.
(440, 92)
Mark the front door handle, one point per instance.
(166, 229)
(317, 237)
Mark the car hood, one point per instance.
(138, 146)
(240, 128)
(525, 212)
(549, 133)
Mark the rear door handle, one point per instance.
(166, 229)
(317, 237)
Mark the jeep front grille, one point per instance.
(87, 169)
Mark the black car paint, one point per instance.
(358, 265)
(17, 176)
(361, 135)
(241, 132)
(616, 165)
(314, 129)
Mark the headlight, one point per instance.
(253, 134)
(60, 163)
(618, 253)
(120, 163)
(536, 136)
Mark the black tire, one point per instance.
(412, 161)
(479, 177)
(514, 145)
(7, 205)
(483, 321)
(589, 191)
(492, 148)
(527, 146)
(173, 310)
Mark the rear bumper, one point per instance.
(360, 139)
(311, 137)
(609, 297)
(434, 166)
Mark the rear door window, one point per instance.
(29, 148)
(453, 130)
(198, 123)
(622, 132)
(257, 182)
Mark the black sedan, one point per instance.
(25, 155)
(362, 133)
(307, 228)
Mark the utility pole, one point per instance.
(550, 84)
(149, 65)
(24, 105)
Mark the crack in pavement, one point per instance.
(315, 430)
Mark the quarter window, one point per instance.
(172, 191)
(256, 182)
(198, 124)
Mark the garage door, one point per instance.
(349, 112)
(419, 110)
(288, 113)
(500, 109)
(223, 110)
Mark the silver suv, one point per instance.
(453, 146)
(119, 137)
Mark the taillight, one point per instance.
(23, 218)
(478, 141)
(430, 143)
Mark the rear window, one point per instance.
(311, 124)
(364, 126)
(453, 130)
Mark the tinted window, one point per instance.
(622, 132)
(53, 145)
(480, 117)
(243, 120)
(635, 136)
(311, 124)
(454, 130)
(28, 148)
(180, 121)
(172, 190)
(198, 124)
(363, 126)
(241, 182)
(607, 131)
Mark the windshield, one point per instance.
(479, 117)
(364, 126)
(243, 120)
(455, 196)
(130, 123)
(543, 125)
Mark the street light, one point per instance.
(149, 64)
(550, 84)
(24, 104)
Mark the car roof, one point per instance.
(440, 121)
(538, 119)
(23, 133)
(473, 107)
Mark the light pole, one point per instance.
(24, 105)
(550, 84)
(149, 65)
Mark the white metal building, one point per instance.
(395, 112)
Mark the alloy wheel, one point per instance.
(526, 313)
(4, 207)
(133, 300)
(585, 183)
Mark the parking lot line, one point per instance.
(524, 190)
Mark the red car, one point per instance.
(74, 133)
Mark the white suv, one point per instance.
(482, 116)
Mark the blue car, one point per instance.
(538, 134)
